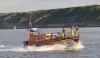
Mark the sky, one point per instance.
(33, 5)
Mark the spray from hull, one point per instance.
(55, 47)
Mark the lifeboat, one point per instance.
(39, 39)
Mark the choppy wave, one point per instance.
(79, 46)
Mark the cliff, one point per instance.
(85, 16)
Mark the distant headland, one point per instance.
(85, 16)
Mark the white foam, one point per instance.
(79, 46)
(57, 46)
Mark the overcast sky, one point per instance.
(32, 5)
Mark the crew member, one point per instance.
(74, 31)
(63, 33)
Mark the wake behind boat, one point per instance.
(36, 38)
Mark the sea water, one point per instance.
(11, 45)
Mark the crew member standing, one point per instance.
(74, 32)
